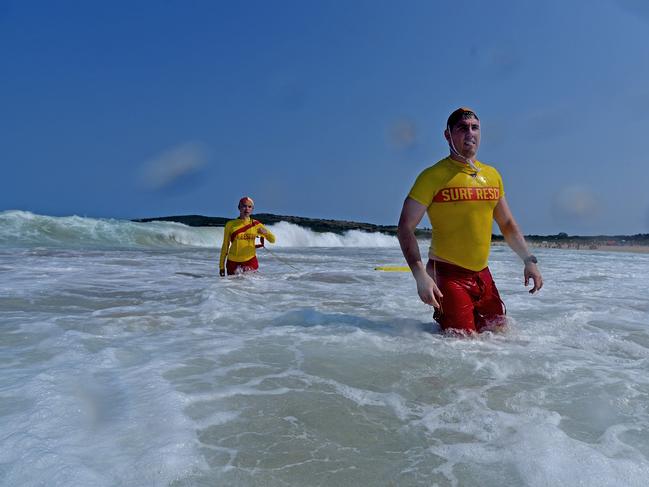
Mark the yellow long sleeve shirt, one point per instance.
(241, 247)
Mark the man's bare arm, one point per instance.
(411, 214)
(514, 238)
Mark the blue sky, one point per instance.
(325, 109)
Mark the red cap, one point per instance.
(246, 199)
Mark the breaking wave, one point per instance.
(26, 229)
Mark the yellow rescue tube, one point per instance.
(393, 268)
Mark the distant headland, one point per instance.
(637, 242)
(315, 224)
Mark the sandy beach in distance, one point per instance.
(639, 249)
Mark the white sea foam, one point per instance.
(290, 235)
(135, 364)
(24, 229)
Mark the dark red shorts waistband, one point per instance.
(234, 267)
(448, 269)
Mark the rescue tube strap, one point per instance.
(244, 228)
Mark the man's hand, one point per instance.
(428, 291)
(531, 271)
(222, 272)
(262, 231)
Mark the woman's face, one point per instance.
(245, 209)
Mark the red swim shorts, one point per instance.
(471, 301)
(238, 267)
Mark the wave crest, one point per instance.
(26, 229)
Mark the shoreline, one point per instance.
(593, 247)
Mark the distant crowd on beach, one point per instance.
(612, 245)
(568, 245)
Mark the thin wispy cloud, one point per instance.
(173, 167)
(501, 59)
(575, 204)
(550, 122)
(639, 8)
(403, 134)
(288, 91)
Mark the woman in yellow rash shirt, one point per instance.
(239, 241)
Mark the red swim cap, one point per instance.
(246, 199)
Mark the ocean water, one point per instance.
(126, 361)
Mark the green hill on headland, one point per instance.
(315, 224)
(340, 226)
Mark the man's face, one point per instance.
(466, 137)
(245, 209)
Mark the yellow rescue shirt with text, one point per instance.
(460, 204)
(242, 247)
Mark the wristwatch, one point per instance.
(531, 258)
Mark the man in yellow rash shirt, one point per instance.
(239, 241)
(462, 197)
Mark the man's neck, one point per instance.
(461, 158)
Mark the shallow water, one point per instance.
(140, 366)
